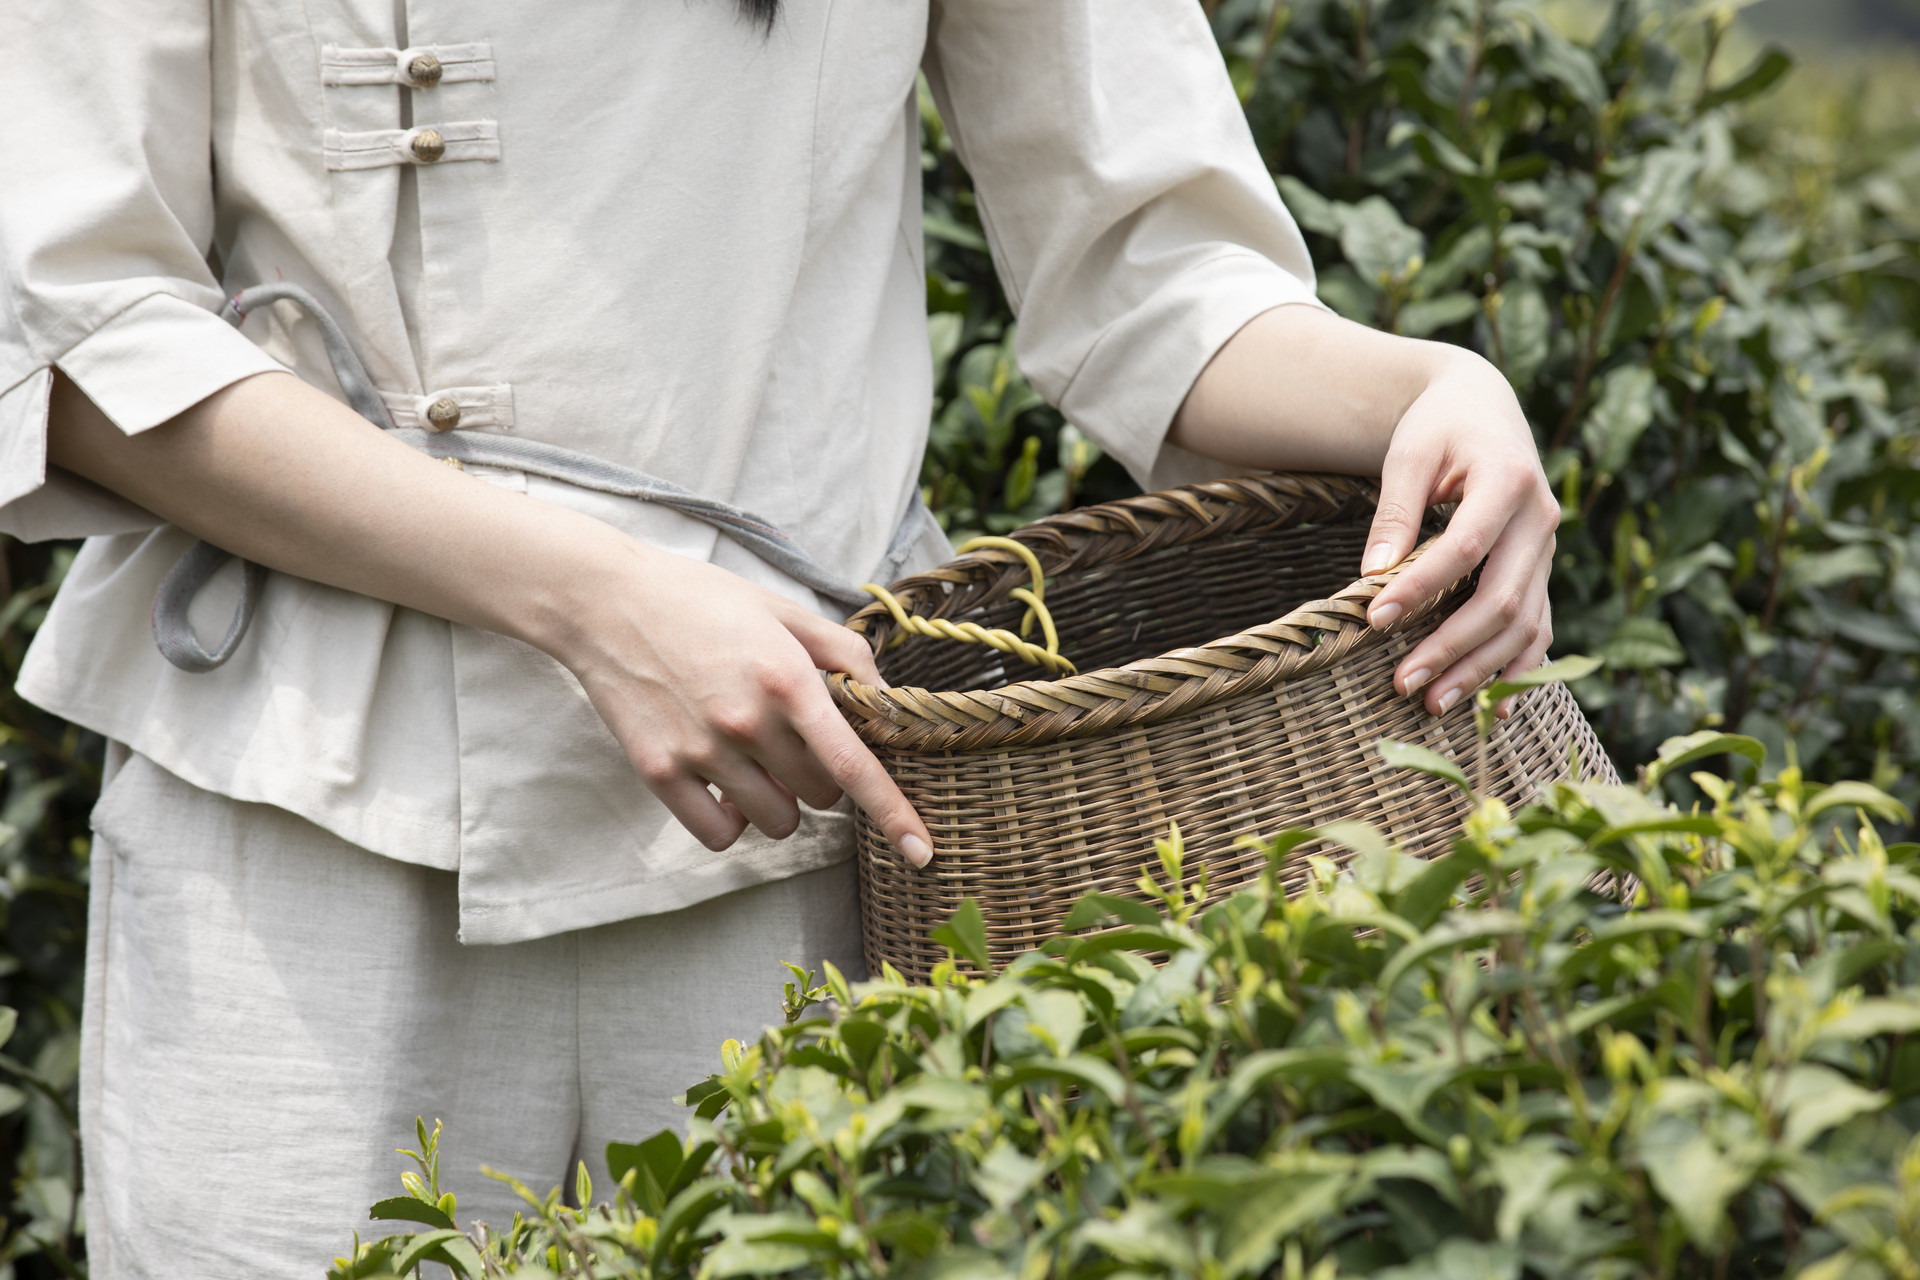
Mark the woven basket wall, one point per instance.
(1229, 682)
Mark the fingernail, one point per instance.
(1385, 616)
(915, 850)
(1447, 700)
(1505, 709)
(1379, 559)
(1418, 681)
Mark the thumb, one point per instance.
(831, 647)
(1404, 486)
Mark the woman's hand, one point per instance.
(1464, 440)
(703, 678)
(706, 679)
(1299, 389)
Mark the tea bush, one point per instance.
(1746, 388)
(1486, 1065)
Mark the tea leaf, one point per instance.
(409, 1209)
(966, 935)
(1409, 756)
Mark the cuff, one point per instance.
(1126, 392)
(158, 358)
(36, 506)
(155, 359)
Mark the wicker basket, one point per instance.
(1229, 682)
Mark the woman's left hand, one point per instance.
(1300, 389)
(1464, 440)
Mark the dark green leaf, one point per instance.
(439, 1246)
(1273, 1208)
(1418, 319)
(1675, 825)
(410, 1209)
(1623, 412)
(1773, 64)
(1092, 910)
(1378, 244)
(1146, 1235)
(1695, 1176)
(1875, 630)
(1421, 902)
(1525, 325)
(966, 935)
(1639, 644)
(656, 1164)
(1077, 1070)
(1676, 752)
(686, 1214)
(1464, 933)
(734, 1257)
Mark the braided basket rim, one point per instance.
(1313, 636)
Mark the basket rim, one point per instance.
(1313, 636)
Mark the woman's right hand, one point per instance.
(709, 681)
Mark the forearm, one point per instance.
(1300, 389)
(708, 682)
(279, 473)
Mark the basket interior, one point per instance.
(1143, 606)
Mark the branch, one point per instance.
(1591, 355)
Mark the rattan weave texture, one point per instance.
(1229, 682)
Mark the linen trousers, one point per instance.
(269, 1007)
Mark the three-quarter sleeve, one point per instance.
(1133, 223)
(106, 216)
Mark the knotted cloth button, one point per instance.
(428, 146)
(443, 414)
(424, 71)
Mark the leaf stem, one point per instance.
(1589, 357)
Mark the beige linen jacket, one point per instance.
(654, 235)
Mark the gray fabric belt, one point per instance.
(174, 633)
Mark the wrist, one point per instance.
(1453, 376)
(579, 567)
(1452, 365)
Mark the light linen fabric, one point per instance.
(655, 236)
(269, 1007)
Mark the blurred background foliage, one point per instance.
(1708, 313)
(1835, 22)
(1695, 262)
(51, 774)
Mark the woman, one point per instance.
(515, 793)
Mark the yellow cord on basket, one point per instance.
(993, 637)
